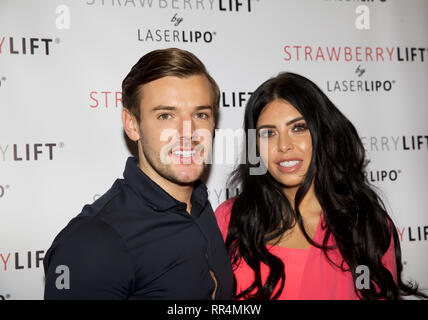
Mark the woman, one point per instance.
(311, 227)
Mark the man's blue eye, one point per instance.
(164, 116)
(202, 115)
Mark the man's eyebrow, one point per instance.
(204, 107)
(169, 108)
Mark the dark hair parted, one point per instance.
(162, 63)
(353, 212)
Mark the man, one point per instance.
(153, 235)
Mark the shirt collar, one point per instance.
(154, 195)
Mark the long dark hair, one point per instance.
(353, 212)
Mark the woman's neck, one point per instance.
(309, 206)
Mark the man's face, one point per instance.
(176, 128)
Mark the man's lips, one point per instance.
(187, 155)
(184, 154)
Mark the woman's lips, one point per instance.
(289, 165)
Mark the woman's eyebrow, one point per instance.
(266, 126)
(270, 126)
(294, 120)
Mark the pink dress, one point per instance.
(309, 274)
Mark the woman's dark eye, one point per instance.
(266, 133)
(300, 127)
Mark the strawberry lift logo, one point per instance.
(183, 5)
(24, 45)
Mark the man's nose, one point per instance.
(186, 132)
(186, 129)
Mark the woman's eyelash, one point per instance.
(266, 133)
(300, 126)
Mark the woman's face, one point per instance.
(284, 142)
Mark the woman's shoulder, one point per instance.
(222, 214)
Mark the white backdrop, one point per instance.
(61, 67)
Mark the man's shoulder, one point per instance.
(93, 226)
(119, 203)
(84, 234)
(112, 197)
(95, 256)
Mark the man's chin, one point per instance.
(187, 174)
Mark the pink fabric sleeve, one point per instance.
(389, 261)
(222, 214)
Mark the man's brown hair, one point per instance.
(158, 64)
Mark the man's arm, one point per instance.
(88, 260)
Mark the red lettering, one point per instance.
(379, 53)
(390, 53)
(96, 101)
(1, 43)
(117, 94)
(308, 52)
(297, 52)
(369, 53)
(5, 261)
(106, 95)
(319, 54)
(333, 53)
(401, 233)
(348, 54)
(288, 53)
(358, 54)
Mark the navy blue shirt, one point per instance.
(138, 242)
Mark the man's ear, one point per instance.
(130, 125)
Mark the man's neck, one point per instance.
(182, 193)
